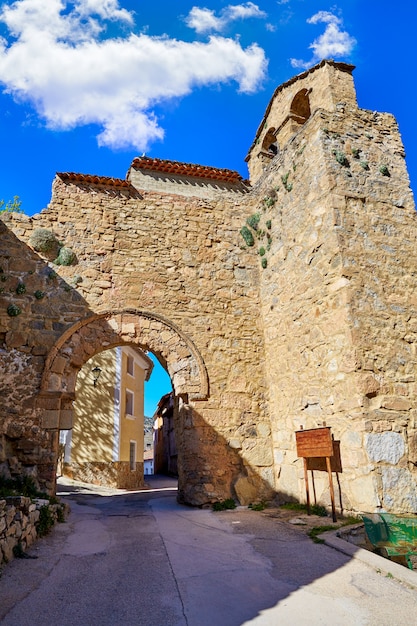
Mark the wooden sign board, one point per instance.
(316, 442)
(318, 464)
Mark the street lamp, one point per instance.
(96, 371)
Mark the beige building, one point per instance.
(106, 444)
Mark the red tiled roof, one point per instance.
(186, 169)
(95, 180)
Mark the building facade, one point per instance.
(106, 444)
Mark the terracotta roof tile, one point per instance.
(94, 180)
(186, 169)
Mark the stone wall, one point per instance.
(310, 317)
(116, 474)
(180, 259)
(19, 519)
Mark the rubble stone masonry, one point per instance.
(306, 316)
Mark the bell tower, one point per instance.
(322, 87)
(333, 225)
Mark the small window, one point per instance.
(269, 143)
(132, 455)
(300, 106)
(130, 365)
(129, 409)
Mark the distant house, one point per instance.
(148, 462)
(165, 447)
(106, 444)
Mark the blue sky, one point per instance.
(85, 86)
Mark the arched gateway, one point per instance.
(284, 302)
(103, 331)
(107, 330)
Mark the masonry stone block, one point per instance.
(50, 419)
(388, 447)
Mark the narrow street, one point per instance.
(141, 559)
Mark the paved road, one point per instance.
(142, 559)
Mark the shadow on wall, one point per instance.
(48, 331)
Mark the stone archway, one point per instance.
(175, 351)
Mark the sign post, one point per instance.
(314, 446)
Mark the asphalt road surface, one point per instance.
(139, 558)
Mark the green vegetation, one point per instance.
(224, 505)
(26, 486)
(269, 201)
(315, 509)
(317, 530)
(253, 221)
(13, 310)
(22, 486)
(39, 294)
(384, 170)
(44, 240)
(11, 206)
(21, 288)
(287, 185)
(66, 256)
(258, 506)
(247, 236)
(45, 522)
(341, 158)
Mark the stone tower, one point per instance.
(337, 289)
(287, 302)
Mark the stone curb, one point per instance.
(379, 563)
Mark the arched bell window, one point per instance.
(269, 144)
(300, 107)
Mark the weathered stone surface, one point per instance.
(388, 447)
(316, 322)
(18, 519)
(399, 489)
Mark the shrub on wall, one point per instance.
(44, 240)
(13, 310)
(65, 257)
(247, 236)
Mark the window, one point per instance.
(132, 455)
(269, 143)
(129, 409)
(300, 106)
(130, 365)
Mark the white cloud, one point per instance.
(106, 9)
(324, 16)
(334, 42)
(204, 20)
(57, 62)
